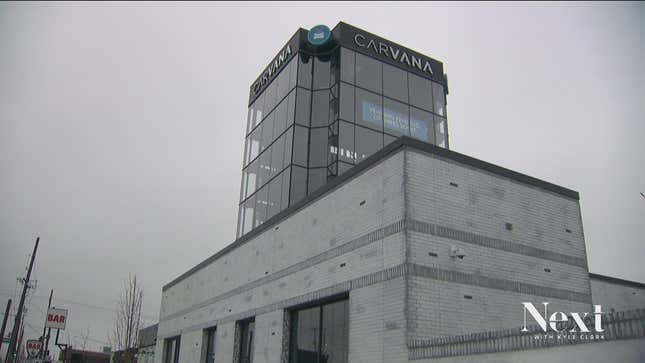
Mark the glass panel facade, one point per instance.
(369, 109)
(420, 92)
(421, 125)
(369, 73)
(396, 120)
(318, 147)
(367, 142)
(320, 108)
(320, 334)
(322, 114)
(395, 83)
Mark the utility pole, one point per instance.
(16, 324)
(4, 322)
(43, 351)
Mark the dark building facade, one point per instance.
(323, 105)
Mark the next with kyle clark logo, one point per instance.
(560, 325)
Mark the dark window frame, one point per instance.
(308, 305)
(209, 349)
(172, 342)
(243, 326)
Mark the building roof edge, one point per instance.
(401, 142)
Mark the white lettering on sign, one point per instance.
(272, 69)
(393, 53)
(56, 318)
(579, 323)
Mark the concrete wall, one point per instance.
(543, 253)
(616, 294)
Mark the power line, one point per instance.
(82, 304)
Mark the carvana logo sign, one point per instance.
(319, 35)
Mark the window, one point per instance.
(304, 71)
(395, 117)
(303, 106)
(275, 190)
(247, 330)
(367, 142)
(420, 92)
(209, 337)
(249, 209)
(321, 72)
(298, 184)
(280, 122)
(421, 125)
(343, 167)
(320, 334)
(439, 99)
(171, 350)
(318, 147)
(254, 144)
(283, 81)
(368, 73)
(346, 102)
(270, 97)
(347, 61)
(300, 146)
(287, 147)
(261, 206)
(284, 203)
(395, 83)
(264, 168)
(267, 131)
(369, 109)
(277, 153)
(317, 178)
(440, 131)
(320, 108)
(346, 142)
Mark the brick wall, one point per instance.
(541, 257)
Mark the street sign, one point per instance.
(56, 318)
(33, 347)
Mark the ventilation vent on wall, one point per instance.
(432, 254)
(454, 184)
(468, 297)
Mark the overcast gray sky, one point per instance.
(121, 127)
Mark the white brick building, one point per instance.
(384, 237)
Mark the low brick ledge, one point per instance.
(618, 325)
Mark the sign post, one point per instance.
(57, 319)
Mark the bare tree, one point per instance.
(125, 335)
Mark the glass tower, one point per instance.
(319, 110)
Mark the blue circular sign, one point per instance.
(319, 35)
